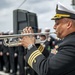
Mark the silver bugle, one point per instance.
(16, 43)
(26, 34)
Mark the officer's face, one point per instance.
(60, 27)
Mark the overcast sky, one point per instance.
(45, 9)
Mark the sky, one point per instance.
(44, 9)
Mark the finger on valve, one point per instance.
(25, 30)
(30, 30)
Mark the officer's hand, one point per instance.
(27, 40)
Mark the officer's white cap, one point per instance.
(63, 11)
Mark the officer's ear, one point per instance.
(69, 24)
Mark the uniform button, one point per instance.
(34, 61)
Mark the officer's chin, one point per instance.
(58, 35)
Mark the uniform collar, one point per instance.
(73, 33)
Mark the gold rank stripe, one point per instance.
(33, 56)
(61, 15)
(41, 48)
